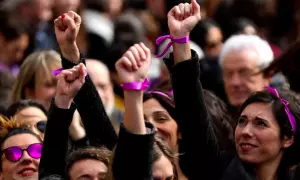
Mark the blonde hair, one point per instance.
(34, 63)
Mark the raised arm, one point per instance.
(55, 145)
(199, 144)
(133, 154)
(97, 124)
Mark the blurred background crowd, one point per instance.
(29, 51)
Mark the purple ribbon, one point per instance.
(160, 93)
(286, 108)
(56, 72)
(136, 85)
(160, 39)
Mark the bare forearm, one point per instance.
(133, 116)
(182, 52)
(63, 102)
(71, 52)
(77, 131)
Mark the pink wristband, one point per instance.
(136, 85)
(56, 72)
(160, 39)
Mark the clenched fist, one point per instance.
(69, 83)
(134, 65)
(183, 18)
(66, 30)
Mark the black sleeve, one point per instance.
(199, 147)
(133, 156)
(99, 129)
(55, 146)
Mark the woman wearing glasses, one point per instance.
(21, 150)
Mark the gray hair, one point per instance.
(252, 42)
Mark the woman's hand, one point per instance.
(66, 30)
(181, 21)
(69, 83)
(134, 65)
(183, 18)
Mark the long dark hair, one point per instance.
(291, 155)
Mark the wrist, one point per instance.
(71, 52)
(176, 35)
(181, 52)
(133, 96)
(136, 86)
(63, 102)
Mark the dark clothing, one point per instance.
(133, 155)
(56, 139)
(97, 124)
(201, 156)
(211, 77)
(98, 127)
(97, 48)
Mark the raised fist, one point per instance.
(183, 18)
(134, 65)
(67, 28)
(70, 81)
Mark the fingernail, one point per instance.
(63, 16)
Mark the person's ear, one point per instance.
(287, 141)
(179, 136)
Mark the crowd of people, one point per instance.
(149, 90)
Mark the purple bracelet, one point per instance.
(136, 85)
(160, 39)
(56, 72)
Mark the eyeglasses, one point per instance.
(15, 153)
(41, 126)
(242, 73)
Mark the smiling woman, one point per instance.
(267, 129)
(21, 150)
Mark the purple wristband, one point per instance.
(56, 72)
(136, 85)
(160, 39)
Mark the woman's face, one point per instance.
(26, 167)
(214, 42)
(35, 118)
(167, 128)
(45, 88)
(257, 135)
(14, 49)
(163, 169)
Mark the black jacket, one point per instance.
(201, 156)
(99, 130)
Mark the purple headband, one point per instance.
(160, 93)
(286, 108)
